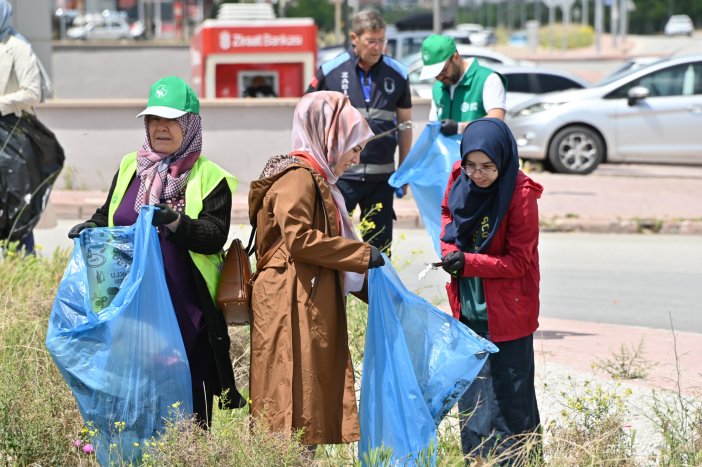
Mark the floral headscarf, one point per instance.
(164, 176)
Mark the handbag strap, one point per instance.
(265, 258)
(251, 247)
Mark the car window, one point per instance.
(519, 82)
(411, 45)
(391, 48)
(697, 88)
(674, 81)
(551, 83)
(692, 79)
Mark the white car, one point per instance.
(478, 35)
(105, 26)
(487, 57)
(653, 115)
(679, 25)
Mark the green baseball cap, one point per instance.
(171, 97)
(436, 50)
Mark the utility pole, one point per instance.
(623, 19)
(551, 4)
(345, 20)
(614, 19)
(437, 17)
(599, 24)
(337, 21)
(566, 6)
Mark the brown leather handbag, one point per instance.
(234, 288)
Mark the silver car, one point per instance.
(523, 82)
(653, 114)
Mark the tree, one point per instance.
(321, 11)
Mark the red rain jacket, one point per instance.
(509, 267)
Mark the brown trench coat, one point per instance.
(301, 373)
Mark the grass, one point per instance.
(39, 421)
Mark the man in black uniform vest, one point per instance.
(378, 87)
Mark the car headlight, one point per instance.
(535, 108)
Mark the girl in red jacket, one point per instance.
(489, 241)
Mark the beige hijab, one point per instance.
(326, 126)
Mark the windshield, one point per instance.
(628, 67)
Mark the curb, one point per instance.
(632, 226)
(80, 205)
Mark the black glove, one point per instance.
(376, 259)
(76, 229)
(454, 262)
(449, 127)
(163, 215)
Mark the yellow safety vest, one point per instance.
(204, 177)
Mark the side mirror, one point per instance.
(636, 94)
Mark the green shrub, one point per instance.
(578, 35)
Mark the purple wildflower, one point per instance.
(88, 448)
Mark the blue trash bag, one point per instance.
(406, 390)
(427, 169)
(124, 361)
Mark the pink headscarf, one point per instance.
(326, 126)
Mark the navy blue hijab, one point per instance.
(467, 202)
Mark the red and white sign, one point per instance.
(286, 47)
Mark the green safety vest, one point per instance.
(203, 178)
(467, 102)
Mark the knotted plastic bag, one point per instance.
(418, 362)
(30, 160)
(427, 169)
(125, 362)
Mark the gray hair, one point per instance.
(367, 20)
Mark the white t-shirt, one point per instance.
(493, 93)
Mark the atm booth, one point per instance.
(230, 56)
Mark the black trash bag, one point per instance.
(30, 160)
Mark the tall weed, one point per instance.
(38, 415)
(591, 427)
(680, 422)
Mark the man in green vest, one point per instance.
(464, 89)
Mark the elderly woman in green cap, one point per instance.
(194, 197)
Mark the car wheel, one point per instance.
(576, 150)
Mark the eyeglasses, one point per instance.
(484, 171)
(375, 42)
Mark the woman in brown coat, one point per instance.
(308, 259)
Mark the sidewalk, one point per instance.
(614, 199)
(607, 51)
